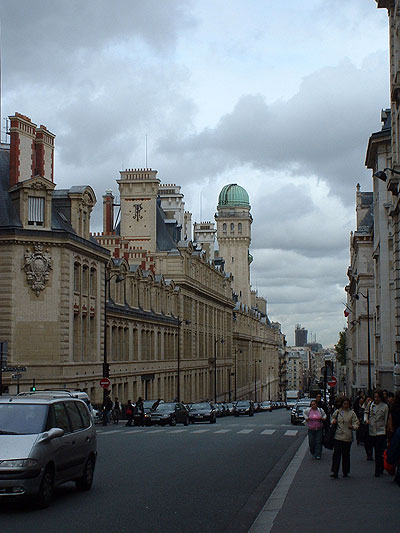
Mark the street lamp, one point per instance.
(357, 297)
(215, 366)
(236, 351)
(381, 174)
(178, 385)
(255, 378)
(269, 382)
(107, 279)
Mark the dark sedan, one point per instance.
(244, 407)
(203, 412)
(170, 413)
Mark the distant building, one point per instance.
(300, 335)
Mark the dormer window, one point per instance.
(35, 211)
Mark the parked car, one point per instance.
(148, 405)
(45, 439)
(297, 416)
(230, 408)
(244, 407)
(170, 413)
(265, 406)
(203, 412)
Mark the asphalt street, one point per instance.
(201, 478)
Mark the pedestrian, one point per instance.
(322, 405)
(376, 418)
(365, 430)
(116, 412)
(395, 412)
(314, 417)
(359, 410)
(393, 455)
(129, 412)
(385, 394)
(346, 422)
(107, 408)
(139, 408)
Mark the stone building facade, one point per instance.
(52, 291)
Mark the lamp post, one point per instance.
(269, 382)
(240, 351)
(215, 366)
(178, 369)
(255, 378)
(357, 296)
(107, 279)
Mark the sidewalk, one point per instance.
(317, 503)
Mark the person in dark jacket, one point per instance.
(129, 412)
(140, 410)
(322, 405)
(393, 454)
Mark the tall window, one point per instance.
(224, 227)
(35, 211)
(76, 277)
(85, 275)
(232, 226)
(240, 227)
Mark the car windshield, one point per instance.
(243, 404)
(22, 419)
(166, 407)
(200, 407)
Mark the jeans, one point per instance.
(315, 441)
(379, 445)
(341, 451)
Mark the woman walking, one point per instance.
(314, 417)
(376, 417)
(346, 422)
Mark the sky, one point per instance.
(279, 97)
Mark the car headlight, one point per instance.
(18, 463)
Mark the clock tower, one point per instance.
(138, 190)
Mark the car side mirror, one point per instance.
(53, 433)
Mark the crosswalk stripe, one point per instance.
(177, 431)
(113, 431)
(201, 431)
(136, 431)
(245, 431)
(223, 431)
(268, 432)
(291, 432)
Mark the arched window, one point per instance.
(77, 277)
(224, 227)
(232, 226)
(240, 227)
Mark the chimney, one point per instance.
(22, 148)
(44, 148)
(108, 212)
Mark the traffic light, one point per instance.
(33, 388)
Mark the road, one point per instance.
(201, 478)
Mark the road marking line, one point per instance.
(200, 431)
(223, 431)
(265, 520)
(113, 431)
(245, 431)
(135, 431)
(291, 432)
(177, 431)
(268, 432)
(154, 431)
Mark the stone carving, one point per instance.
(37, 267)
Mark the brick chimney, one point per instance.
(108, 212)
(22, 148)
(44, 147)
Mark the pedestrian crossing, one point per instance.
(198, 431)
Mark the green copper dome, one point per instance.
(233, 195)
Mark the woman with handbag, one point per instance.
(346, 422)
(314, 417)
(376, 417)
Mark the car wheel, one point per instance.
(85, 482)
(172, 422)
(45, 493)
(186, 422)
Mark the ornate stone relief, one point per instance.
(37, 267)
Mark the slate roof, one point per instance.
(8, 214)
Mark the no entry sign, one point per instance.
(332, 381)
(105, 383)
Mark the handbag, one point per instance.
(330, 436)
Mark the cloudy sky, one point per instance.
(279, 97)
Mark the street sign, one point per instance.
(14, 369)
(332, 381)
(105, 383)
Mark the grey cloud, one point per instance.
(322, 130)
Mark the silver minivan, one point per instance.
(45, 440)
